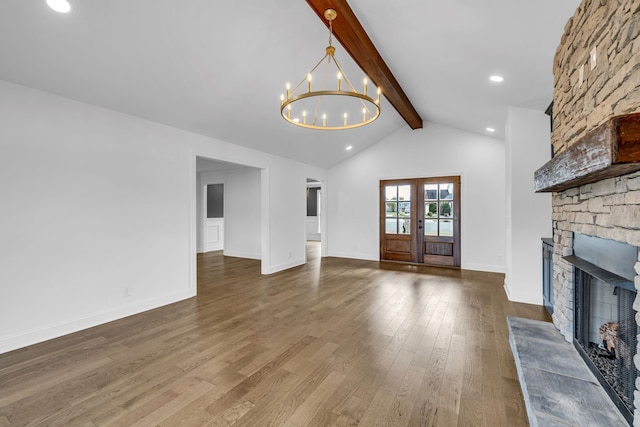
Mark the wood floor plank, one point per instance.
(244, 387)
(383, 409)
(471, 396)
(425, 408)
(335, 342)
(450, 396)
(184, 393)
(353, 397)
(116, 398)
(407, 396)
(305, 412)
(230, 416)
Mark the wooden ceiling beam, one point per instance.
(352, 36)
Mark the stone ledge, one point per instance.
(558, 387)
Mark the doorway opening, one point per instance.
(420, 220)
(314, 210)
(315, 219)
(228, 204)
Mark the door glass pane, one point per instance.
(446, 227)
(431, 191)
(391, 209)
(431, 209)
(404, 192)
(391, 192)
(438, 203)
(215, 201)
(404, 209)
(391, 226)
(430, 227)
(446, 191)
(446, 209)
(398, 209)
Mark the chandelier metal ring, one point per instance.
(286, 113)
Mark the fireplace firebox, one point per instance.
(605, 327)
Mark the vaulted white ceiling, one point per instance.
(218, 68)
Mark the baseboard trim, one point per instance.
(505, 286)
(489, 268)
(285, 266)
(239, 254)
(363, 257)
(526, 298)
(35, 336)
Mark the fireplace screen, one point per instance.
(606, 330)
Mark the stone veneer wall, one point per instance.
(610, 208)
(612, 88)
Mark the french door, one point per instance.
(420, 220)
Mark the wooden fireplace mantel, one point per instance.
(612, 149)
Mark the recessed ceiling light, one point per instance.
(491, 130)
(61, 6)
(496, 79)
(349, 148)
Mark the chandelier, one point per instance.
(329, 108)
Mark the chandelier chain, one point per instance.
(330, 32)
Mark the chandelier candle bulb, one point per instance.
(379, 92)
(365, 86)
(339, 80)
(345, 119)
(324, 120)
(309, 80)
(304, 117)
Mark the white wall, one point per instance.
(242, 220)
(528, 146)
(96, 204)
(433, 151)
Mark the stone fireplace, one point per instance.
(594, 174)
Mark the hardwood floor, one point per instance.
(335, 342)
